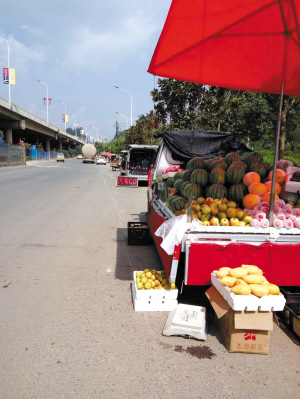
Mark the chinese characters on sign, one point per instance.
(123, 181)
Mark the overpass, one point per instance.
(16, 123)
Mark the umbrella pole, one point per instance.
(276, 152)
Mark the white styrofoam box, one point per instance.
(248, 302)
(187, 320)
(291, 186)
(154, 294)
(152, 305)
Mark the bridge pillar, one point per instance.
(60, 145)
(48, 145)
(8, 136)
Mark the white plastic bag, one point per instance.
(172, 231)
(284, 164)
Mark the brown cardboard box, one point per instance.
(246, 332)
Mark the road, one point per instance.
(68, 328)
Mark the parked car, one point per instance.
(139, 160)
(101, 161)
(79, 156)
(60, 157)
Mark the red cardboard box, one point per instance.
(244, 332)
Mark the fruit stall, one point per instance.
(222, 205)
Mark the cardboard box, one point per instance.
(242, 331)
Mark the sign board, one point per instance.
(6, 76)
(123, 181)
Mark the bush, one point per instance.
(267, 147)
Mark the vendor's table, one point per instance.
(205, 253)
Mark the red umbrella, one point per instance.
(239, 44)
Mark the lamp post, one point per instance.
(75, 123)
(65, 115)
(117, 87)
(8, 69)
(47, 99)
(95, 128)
(125, 117)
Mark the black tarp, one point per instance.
(187, 144)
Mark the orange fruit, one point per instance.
(250, 178)
(231, 212)
(268, 184)
(251, 200)
(280, 176)
(257, 188)
(266, 197)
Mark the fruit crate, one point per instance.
(138, 233)
(292, 296)
(291, 186)
(291, 320)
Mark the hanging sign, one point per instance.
(123, 181)
(5, 76)
(12, 76)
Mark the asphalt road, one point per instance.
(68, 328)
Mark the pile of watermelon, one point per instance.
(215, 178)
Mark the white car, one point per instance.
(101, 161)
(79, 156)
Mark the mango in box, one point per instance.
(273, 289)
(228, 281)
(222, 273)
(251, 269)
(253, 279)
(240, 281)
(241, 289)
(259, 290)
(237, 272)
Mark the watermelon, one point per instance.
(254, 157)
(162, 196)
(235, 173)
(217, 176)
(187, 175)
(177, 184)
(178, 175)
(171, 198)
(259, 168)
(220, 164)
(195, 163)
(216, 191)
(184, 184)
(177, 204)
(232, 157)
(237, 192)
(170, 182)
(196, 190)
(200, 177)
(208, 164)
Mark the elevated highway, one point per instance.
(16, 123)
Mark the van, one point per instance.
(60, 157)
(140, 158)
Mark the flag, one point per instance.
(12, 76)
(5, 76)
(67, 118)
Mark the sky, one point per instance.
(81, 50)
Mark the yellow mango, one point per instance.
(222, 273)
(241, 289)
(253, 279)
(273, 289)
(259, 290)
(240, 281)
(238, 272)
(251, 269)
(224, 268)
(228, 281)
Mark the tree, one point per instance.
(142, 132)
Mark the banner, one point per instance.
(67, 118)
(5, 76)
(12, 76)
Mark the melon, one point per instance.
(177, 204)
(216, 191)
(232, 157)
(184, 184)
(195, 163)
(171, 198)
(254, 157)
(235, 173)
(178, 175)
(208, 164)
(220, 164)
(170, 182)
(177, 184)
(237, 192)
(200, 177)
(187, 175)
(217, 176)
(196, 190)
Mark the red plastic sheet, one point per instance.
(280, 262)
(154, 221)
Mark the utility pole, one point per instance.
(117, 129)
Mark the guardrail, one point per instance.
(11, 154)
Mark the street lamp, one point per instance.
(65, 114)
(96, 129)
(125, 117)
(117, 87)
(8, 69)
(47, 99)
(75, 123)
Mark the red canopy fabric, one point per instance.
(107, 153)
(238, 44)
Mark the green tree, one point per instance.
(142, 132)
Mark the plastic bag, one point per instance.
(284, 164)
(172, 231)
